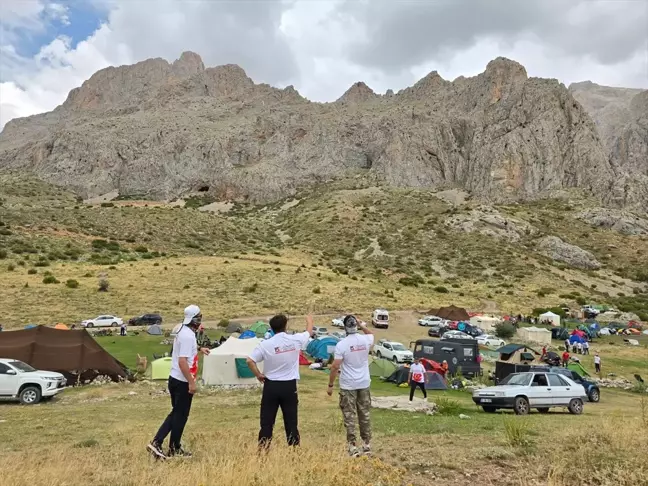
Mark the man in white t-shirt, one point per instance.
(352, 360)
(416, 378)
(280, 357)
(182, 385)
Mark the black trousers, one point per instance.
(278, 394)
(597, 367)
(413, 386)
(175, 422)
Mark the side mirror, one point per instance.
(10, 372)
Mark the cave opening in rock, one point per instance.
(203, 189)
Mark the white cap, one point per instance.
(190, 312)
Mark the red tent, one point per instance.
(431, 365)
(578, 332)
(303, 361)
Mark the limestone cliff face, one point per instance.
(161, 129)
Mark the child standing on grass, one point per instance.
(597, 363)
(416, 379)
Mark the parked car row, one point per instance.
(113, 321)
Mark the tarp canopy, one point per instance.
(434, 381)
(259, 328)
(534, 334)
(61, 326)
(219, 367)
(485, 323)
(322, 348)
(554, 319)
(74, 353)
(382, 368)
(452, 313)
(161, 368)
(155, 330)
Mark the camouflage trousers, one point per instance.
(355, 406)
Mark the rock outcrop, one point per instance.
(490, 222)
(572, 255)
(621, 221)
(163, 129)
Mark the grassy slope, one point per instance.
(161, 257)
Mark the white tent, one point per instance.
(534, 335)
(486, 323)
(219, 368)
(554, 319)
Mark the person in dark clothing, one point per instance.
(280, 357)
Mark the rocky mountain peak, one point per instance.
(188, 64)
(358, 93)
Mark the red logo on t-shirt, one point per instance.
(361, 347)
(417, 377)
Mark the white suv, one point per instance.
(19, 381)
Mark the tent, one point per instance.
(303, 360)
(578, 332)
(161, 368)
(486, 323)
(234, 327)
(560, 333)
(452, 313)
(30, 326)
(322, 347)
(220, 367)
(399, 376)
(249, 334)
(155, 330)
(259, 328)
(576, 338)
(534, 334)
(434, 381)
(61, 326)
(577, 368)
(382, 368)
(553, 319)
(74, 353)
(431, 365)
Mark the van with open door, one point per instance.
(380, 319)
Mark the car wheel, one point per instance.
(576, 406)
(378, 355)
(594, 395)
(395, 359)
(30, 395)
(521, 406)
(89, 324)
(114, 324)
(489, 409)
(543, 410)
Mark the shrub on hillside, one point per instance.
(32, 271)
(3, 254)
(441, 289)
(50, 279)
(223, 323)
(11, 267)
(103, 285)
(504, 330)
(72, 284)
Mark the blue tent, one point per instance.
(595, 327)
(247, 334)
(574, 338)
(322, 348)
(30, 326)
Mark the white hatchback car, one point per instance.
(21, 382)
(524, 391)
(103, 321)
(428, 321)
(491, 341)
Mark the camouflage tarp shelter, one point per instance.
(73, 353)
(452, 313)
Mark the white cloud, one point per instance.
(323, 47)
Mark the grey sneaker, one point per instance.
(366, 449)
(156, 450)
(353, 451)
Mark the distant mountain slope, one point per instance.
(161, 129)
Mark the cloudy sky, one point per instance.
(319, 46)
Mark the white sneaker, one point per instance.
(366, 449)
(353, 451)
(425, 399)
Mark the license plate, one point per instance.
(486, 400)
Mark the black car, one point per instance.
(436, 331)
(145, 320)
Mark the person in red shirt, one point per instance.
(565, 359)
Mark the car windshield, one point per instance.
(20, 366)
(398, 347)
(519, 379)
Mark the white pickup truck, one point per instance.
(21, 382)
(393, 351)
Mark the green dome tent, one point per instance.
(160, 369)
(382, 368)
(259, 328)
